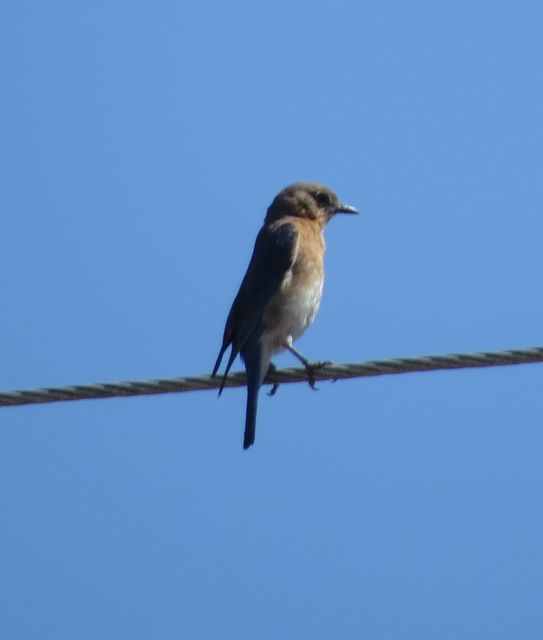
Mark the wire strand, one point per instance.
(330, 371)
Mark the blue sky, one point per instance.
(141, 145)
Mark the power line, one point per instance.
(330, 371)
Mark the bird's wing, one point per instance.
(273, 255)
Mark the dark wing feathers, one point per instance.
(273, 256)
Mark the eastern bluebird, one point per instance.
(281, 291)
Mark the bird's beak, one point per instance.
(345, 208)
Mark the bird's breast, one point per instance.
(294, 307)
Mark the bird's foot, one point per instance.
(271, 369)
(274, 388)
(311, 368)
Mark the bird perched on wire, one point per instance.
(281, 291)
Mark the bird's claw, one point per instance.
(273, 390)
(311, 368)
(271, 369)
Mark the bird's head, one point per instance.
(307, 200)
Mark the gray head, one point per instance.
(307, 200)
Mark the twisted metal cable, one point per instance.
(330, 371)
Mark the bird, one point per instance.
(281, 292)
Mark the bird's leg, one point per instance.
(310, 367)
(275, 386)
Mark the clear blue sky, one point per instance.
(141, 144)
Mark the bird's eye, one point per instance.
(322, 198)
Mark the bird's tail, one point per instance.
(254, 381)
(257, 361)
